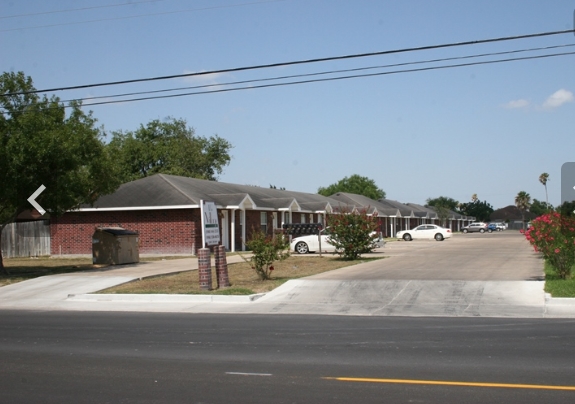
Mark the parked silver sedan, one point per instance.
(425, 231)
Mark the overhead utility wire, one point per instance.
(140, 15)
(70, 10)
(325, 79)
(321, 73)
(299, 62)
(334, 78)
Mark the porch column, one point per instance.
(233, 225)
(243, 223)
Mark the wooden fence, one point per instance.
(26, 239)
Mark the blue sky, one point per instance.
(488, 129)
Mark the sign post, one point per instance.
(210, 226)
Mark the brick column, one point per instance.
(221, 267)
(205, 268)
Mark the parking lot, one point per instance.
(498, 256)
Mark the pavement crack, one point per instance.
(399, 294)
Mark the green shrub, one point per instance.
(265, 251)
(352, 233)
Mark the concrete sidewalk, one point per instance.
(314, 295)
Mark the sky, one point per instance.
(489, 129)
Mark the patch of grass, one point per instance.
(243, 278)
(556, 286)
(22, 269)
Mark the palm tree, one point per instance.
(543, 178)
(523, 202)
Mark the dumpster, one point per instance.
(115, 246)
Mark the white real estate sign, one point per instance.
(210, 227)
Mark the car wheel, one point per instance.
(439, 237)
(481, 230)
(489, 231)
(464, 231)
(407, 237)
(301, 248)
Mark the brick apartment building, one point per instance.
(165, 211)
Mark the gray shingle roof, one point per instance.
(171, 191)
(361, 201)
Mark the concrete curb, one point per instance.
(163, 298)
(559, 301)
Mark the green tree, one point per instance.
(539, 208)
(566, 209)
(352, 233)
(442, 206)
(169, 147)
(543, 178)
(44, 142)
(443, 201)
(481, 210)
(523, 202)
(354, 184)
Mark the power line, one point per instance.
(299, 62)
(69, 10)
(327, 79)
(336, 78)
(141, 15)
(321, 73)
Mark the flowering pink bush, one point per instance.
(554, 236)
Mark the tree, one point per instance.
(539, 208)
(523, 202)
(354, 184)
(481, 210)
(352, 233)
(169, 147)
(567, 209)
(442, 206)
(543, 178)
(443, 201)
(44, 142)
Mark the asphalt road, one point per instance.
(71, 357)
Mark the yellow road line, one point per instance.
(448, 383)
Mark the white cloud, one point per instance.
(517, 104)
(558, 98)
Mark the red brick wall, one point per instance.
(252, 221)
(174, 231)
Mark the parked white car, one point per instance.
(310, 243)
(425, 231)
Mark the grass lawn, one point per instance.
(243, 279)
(558, 287)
